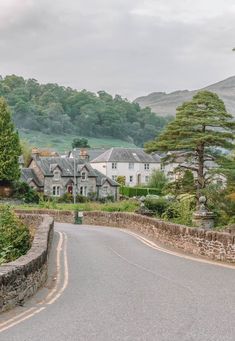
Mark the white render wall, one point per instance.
(138, 172)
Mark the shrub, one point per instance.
(66, 198)
(137, 191)
(15, 238)
(158, 181)
(158, 205)
(181, 210)
(23, 191)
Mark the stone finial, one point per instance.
(202, 217)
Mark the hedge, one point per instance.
(137, 191)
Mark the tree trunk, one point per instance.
(201, 176)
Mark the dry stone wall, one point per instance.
(215, 245)
(58, 215)
(22, 278)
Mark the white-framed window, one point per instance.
(114, 177)
(56, 191)
(83, 174)
(146, 166)
(56, 175)
(131, 165)
(114, 165)
(131, 178)
(105, 189)
(146, 179)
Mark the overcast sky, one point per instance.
(129, 47)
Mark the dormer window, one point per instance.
(83, 175)
(56, 175)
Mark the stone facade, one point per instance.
(22, 278)
(56, 176)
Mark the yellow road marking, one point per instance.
(35, 310)
(175, 253)
(66, 273)
(22, 319)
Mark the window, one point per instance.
(131, 178)
(146, 166)
(114, 165)
(83, 176)
(56, 175)
(81, 190)
(105, 189)
(56, 191)
(147, 179)
(131, 165)
(114, 177)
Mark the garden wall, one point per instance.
(22, 278)
(58, 215)
(212, 244)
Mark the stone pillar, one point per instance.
(203, 218)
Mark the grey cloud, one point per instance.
(102, 45)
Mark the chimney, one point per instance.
(35, 153)
(83, 155)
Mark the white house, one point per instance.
(132, 163)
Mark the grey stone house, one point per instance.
(55, 176)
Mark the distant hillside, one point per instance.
(52, 109)
(166, 104)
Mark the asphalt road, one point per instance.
(118, 288)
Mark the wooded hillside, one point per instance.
(54, 109)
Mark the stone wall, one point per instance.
(22, 278)
(212, 244)
(57, 215)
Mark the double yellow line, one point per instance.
(175, 253)
(54, 294)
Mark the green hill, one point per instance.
(62, 143)
(57, 112)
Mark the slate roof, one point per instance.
(135, 155)
(28, 175)
(92, 152)
(101, 178)
(66, 165)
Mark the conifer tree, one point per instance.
(199, 124)
(9, 147)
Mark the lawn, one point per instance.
(62, 143)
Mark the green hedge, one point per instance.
(137, 191)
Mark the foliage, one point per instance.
(26, 151)
(80, 143)
(9, 146)
(137, 191)
(159, 205)
(184, 184)
(221, 203)
(51, 108)
(200, 124)
(14, 236)
(158, 181)
(117, 206)
(121, 179)
(23, 191)
(181, 210)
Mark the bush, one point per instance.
(15, 238)
(24, 192)
(158, 205)
(137, 191)
(181, 210)
(66, 198)
(158, 181)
